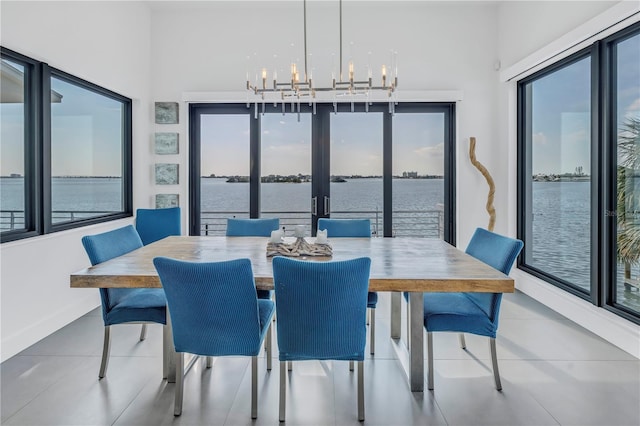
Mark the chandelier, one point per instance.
(299, 87)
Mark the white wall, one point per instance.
(529, 33)
(106, 43)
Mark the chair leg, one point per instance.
(463, 343)
(143, 332)
(368, 316)
(408, 327)
(350, 365)
(494, 361)
(372, 331)
(254, 387)
(290, 365)
(106, 348)
(209, 361)
(177, 403)
(268, 344)
(361, 390)
(430, 360)
(283, 389)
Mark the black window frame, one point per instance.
(603, 172)
(320, 145)
(38, 150)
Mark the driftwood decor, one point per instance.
(299, 248)
(492, 187)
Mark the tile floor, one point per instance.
(553, 372)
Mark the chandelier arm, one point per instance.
(340, 40)
(306, 73)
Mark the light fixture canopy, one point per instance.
(346, 88)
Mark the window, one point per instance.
(324, 161)
(66, 150)
(579, 173)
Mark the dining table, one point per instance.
(412, 265)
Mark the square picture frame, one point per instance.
(164, 201)
(166, 143)
(166, 174)
(166, 112)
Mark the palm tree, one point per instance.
(628, 214)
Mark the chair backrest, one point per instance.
(321, 308)
(106, 246)
(213, 306)
(345, 227)
(498, 252)
(251, 227)
(156, 224)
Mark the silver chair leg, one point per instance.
(177, 403)
(267, 345)
(372, 331)
(494, 361)
(254, 387)
(106, 348)
(463, 343)
(143, 332)
(350, 365)
(283, 389)
(408, 327)
(209, 361)
(290, 365)
(430, 360)
(361, 390)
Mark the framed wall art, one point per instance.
(166, 174)
(166, 143)
(166, 112)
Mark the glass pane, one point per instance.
(285, 190)
(12, 141)
(628, 208)
(86, 153)
(418, 175)
(356, 167)
(559, 186)
(224, 184)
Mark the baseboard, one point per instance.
(616, 330)
(17, 342)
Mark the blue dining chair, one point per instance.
(123, 305)
(475, 313)
(155, 224)
(354, 228)
(253, 228)
(214, 311)
(321, 314)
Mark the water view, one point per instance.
(561, 212)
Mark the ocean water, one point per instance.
(560, 211)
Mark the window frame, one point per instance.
(603, 232)
(320, 149)
(38, 151)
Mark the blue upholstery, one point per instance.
(213, 307)
(120, 305)
(156, 224)
(251, 227)
(215, 312)
(345, 227)
(334, 329)
(475, 313)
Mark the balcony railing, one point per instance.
(414, 223)
(14, 219)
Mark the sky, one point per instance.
(86, 135)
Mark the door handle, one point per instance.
(314, 206)
(327, 205)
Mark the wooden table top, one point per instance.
(397, 264)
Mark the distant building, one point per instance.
(409, 174)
